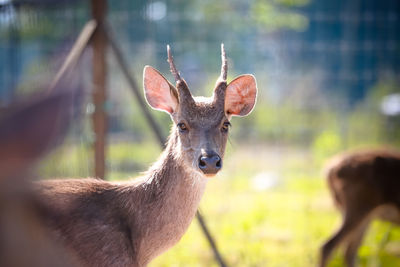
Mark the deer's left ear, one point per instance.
(240, 96)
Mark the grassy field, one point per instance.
(268, 207)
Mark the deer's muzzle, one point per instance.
(210, 163)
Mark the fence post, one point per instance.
(99, 45)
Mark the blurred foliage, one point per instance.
(30, 23)
(272, 16)
(367, 125)
(325, 145)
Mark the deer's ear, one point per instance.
(33, 129)
(160, 94)
(240, 96)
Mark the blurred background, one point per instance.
(328, 80)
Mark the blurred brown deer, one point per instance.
(130, 223)
(27, 133)
(364, 185)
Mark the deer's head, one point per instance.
(201, 124)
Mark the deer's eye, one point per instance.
(225, 127)
(182, 127)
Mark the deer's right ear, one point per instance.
(160, 94)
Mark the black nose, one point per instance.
(210, 164)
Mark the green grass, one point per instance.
(281, 225)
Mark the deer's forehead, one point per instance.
(203, 114)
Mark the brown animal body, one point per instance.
(130, 223)
(365, 185)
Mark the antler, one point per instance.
(224, 66)
(172, 66)
(183, 90)
(219, 90)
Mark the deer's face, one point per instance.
(201, 124)
(203, 131)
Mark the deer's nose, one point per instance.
(210, 164)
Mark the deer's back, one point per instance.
(87, 216)
(369, 176)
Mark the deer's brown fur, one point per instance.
(364, 185)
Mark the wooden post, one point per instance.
(99, 45)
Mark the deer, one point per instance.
(130, 223)
(29, 130)
(365, 185)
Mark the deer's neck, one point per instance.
(171, 192)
